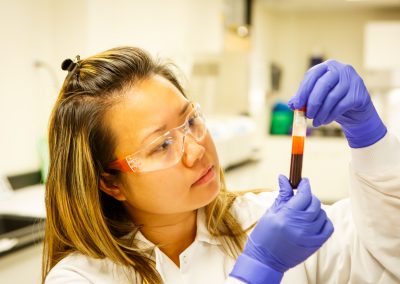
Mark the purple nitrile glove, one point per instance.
(287, 234)
(333, 91)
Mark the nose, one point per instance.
(193, 151)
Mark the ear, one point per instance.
(111, 187)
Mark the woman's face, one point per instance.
(150, 105)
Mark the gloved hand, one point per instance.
(333, 91)
(287, 234)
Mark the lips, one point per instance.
(205, 176)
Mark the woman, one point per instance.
(135, 193)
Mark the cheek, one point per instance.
(166, 192)
(157, 192)
(211, 149)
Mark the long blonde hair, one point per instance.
(80, 217)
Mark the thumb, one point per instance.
(303, 197)
(285, 192)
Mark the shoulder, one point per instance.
(249, 207)
(78, 268)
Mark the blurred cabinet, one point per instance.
(220, 82)
(382, 45)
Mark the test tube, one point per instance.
(299, 130)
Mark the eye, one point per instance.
(193, 120)
(162, 147)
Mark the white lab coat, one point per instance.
(365, 247)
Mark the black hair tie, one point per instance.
(69, 65)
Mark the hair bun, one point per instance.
(68, 65)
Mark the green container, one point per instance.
(281, 122)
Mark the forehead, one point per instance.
(145, 107)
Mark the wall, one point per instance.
(336, 33)
(26, 32)
(176, 29)
(262, 33)
(47, 32)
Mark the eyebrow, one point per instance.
(164, 127)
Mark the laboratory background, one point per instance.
(242, 60)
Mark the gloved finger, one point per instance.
(285, 192)
(333, 98)
(285, 189)
(310, 214)
(315, 227)
(303, 197)
(334, 64)
(307, 231)
(318, 239)
(307, 84)
(328, 229)
(320, 92)
(341, 107)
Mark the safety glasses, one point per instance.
(166, 150)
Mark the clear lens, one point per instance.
(167, 150)
(164, 151)
(196, 125)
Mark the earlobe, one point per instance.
(111, 188)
